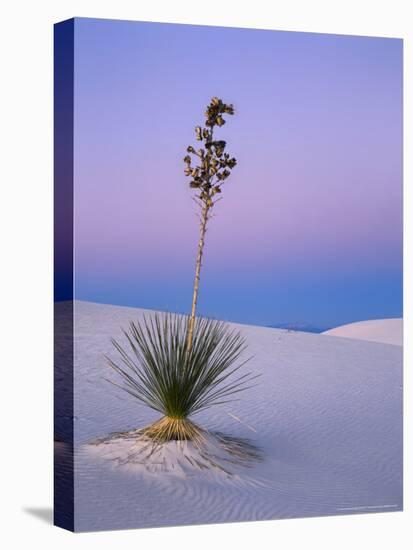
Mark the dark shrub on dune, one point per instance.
(159, 370)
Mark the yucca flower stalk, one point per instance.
(208, 176)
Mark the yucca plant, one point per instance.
(180, 365)
(159, 371)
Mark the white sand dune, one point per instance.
(387, 331)
(326, 414)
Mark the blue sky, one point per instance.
(310, 225)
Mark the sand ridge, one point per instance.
(386, 331)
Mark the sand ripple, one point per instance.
(326, 415)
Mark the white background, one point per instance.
(26, 270)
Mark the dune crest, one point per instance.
(386, 331)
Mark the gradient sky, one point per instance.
(310, 225)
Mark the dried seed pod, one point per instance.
(221, 144)
(198, 133)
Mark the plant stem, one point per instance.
(201, 243)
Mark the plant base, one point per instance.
(177, 446)
(173, 429)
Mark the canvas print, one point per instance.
(228, 274)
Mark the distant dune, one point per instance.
(300, 327)
(386, 331)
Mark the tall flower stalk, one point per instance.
(213, 167)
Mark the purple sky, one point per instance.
(309, 228)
